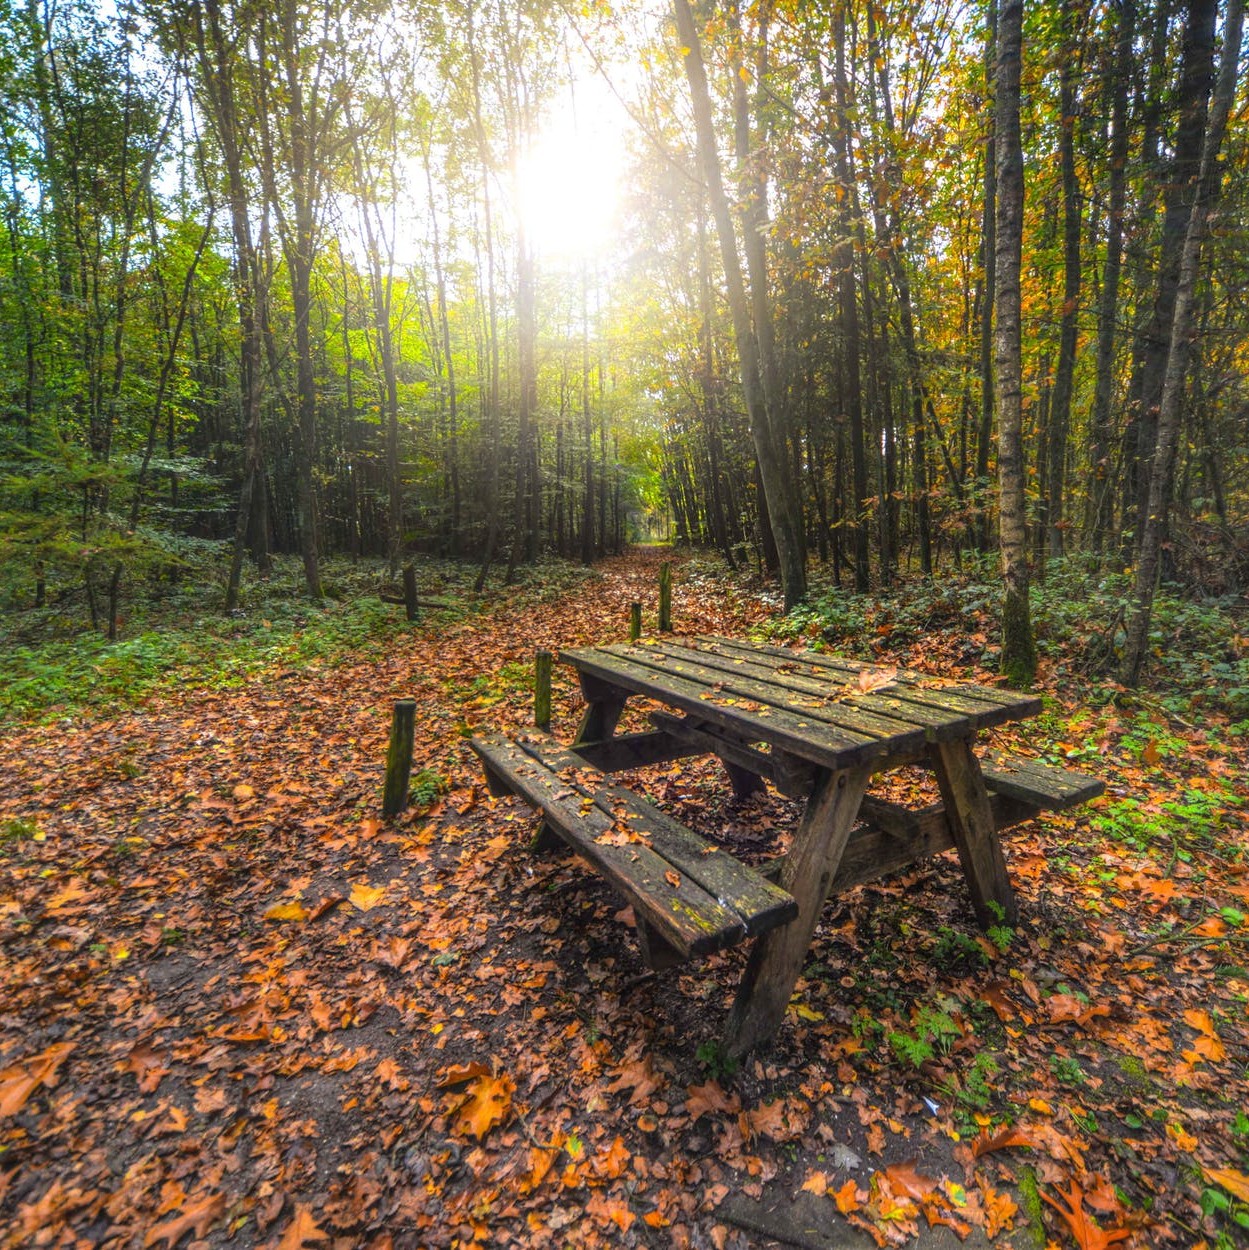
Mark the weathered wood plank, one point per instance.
(808, 873)
(832, 700)
(636, 750)
(759, 904)
(605, 705)
(1030, 781)
(1000, 705)
(808, 738)
(684, 915)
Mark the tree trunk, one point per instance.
(783, 504)
(1018, 645)
(1170, 410)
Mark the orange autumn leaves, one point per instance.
(20, 1080)
(476, 1099)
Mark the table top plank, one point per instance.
(989, 706)
(804, 698)
(754, 721)
(879, 708)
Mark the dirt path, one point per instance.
(235, 1008)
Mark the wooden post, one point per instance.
(665, 598)
(542, 689)
(399, 758)
(635, 621)
(409, 592)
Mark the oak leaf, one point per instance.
(710, 1097)
(1087, 1234)
(19, 1081)
(302, 1230)
(847, 1198)
(195, 1217)
(488, 1104)
(1002, 1140)
(816, 1183)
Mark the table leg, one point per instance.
(807, 873)
(604, 706)
(970, 817)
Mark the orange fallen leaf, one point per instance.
(243, 791)
(816, 1183)
(460, 1074)
(904, 1179)
(1002, 1140)
(19, 1081)
(1236, 1183)
(366, 897)
(302, 1230)
(195, 1217)
(286, 911)
(673, 879)
(847, 1198)
(1086, 1232)
(488, 1104)
(710, 1097)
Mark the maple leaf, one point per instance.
(1086, 1232)
(195, 1217)
(19, 1081)
(488, 1104)
(540, 1160)
(302, 1230)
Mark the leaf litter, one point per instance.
(238, 1008)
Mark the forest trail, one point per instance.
(237, 1006)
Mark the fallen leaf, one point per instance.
(1236, 1183)
(488, 1104)
(19, 1081)
(847, 1198)
(302, 1230)
(286, 911)
(816, 1183)
(195, 1217)
(1086, 1232)
(366, 897)
(243, 791)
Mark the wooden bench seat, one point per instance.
(689, 897)
(1039, 785)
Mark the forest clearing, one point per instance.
(378, 367)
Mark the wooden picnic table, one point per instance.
(821, 727)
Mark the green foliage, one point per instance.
(425, 786)
(715, 1062)
(278, 629)
(933, 1031)
(1067, 1070)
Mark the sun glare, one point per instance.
(569, 187)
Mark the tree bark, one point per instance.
(1170, 411)
(783, 504)
(1018, 645)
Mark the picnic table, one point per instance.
(821, 728)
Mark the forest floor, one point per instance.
(236, 1008)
